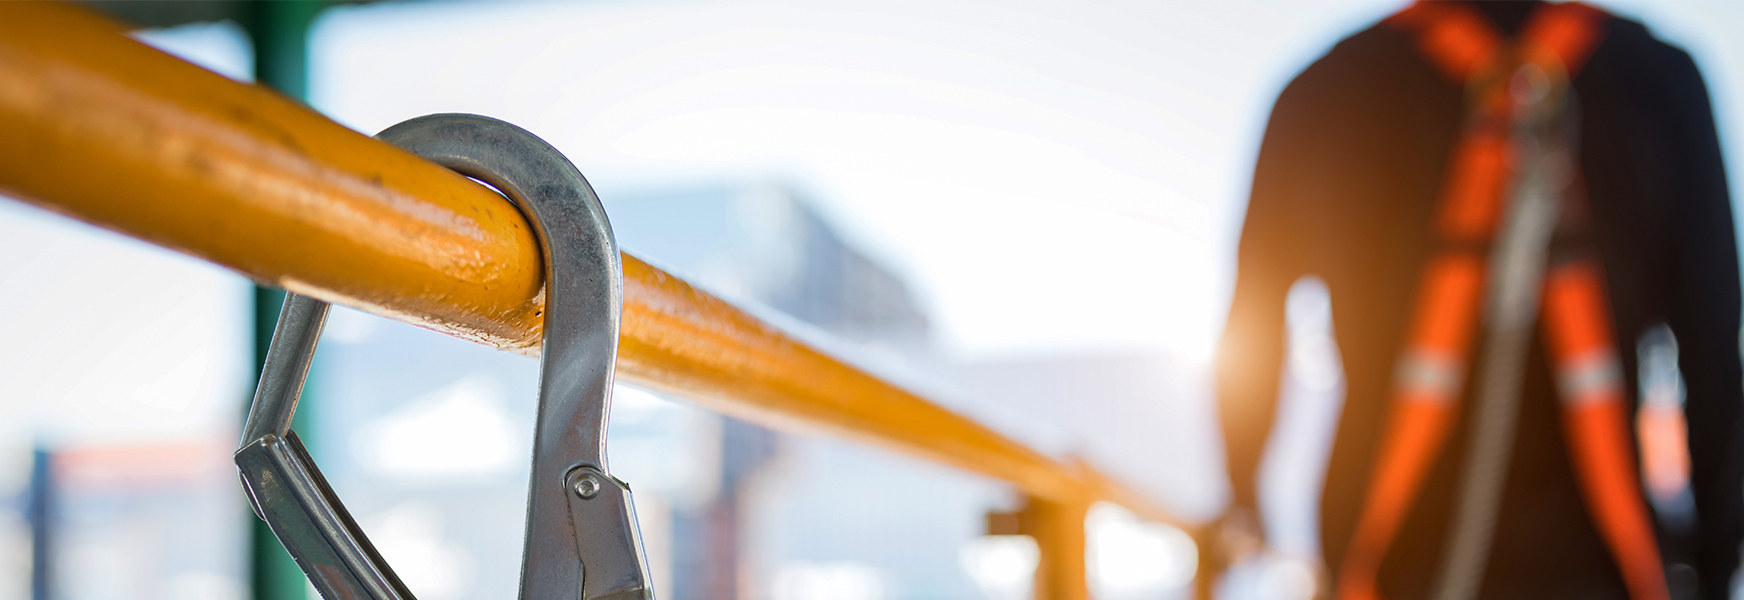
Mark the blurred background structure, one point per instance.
(1028, 209)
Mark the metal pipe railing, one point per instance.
(106, 130)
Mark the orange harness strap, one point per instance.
(1431, 372)
(1589, 377)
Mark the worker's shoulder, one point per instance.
(1629, 44)
(1624, 31)
(1377, 41)
(1378, 62)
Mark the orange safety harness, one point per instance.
(1576, 321)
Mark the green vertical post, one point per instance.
(279, 30)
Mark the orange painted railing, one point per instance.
(106, 130)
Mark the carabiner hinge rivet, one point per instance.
(587, 485)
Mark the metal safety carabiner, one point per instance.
(582, 540)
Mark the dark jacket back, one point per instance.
(1346, 181)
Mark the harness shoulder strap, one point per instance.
(1564, 36)
(1455, 38)
(1462, 44)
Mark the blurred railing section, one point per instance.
(103, 129)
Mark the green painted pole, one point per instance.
(279, 30)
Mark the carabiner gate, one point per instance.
(598, 555)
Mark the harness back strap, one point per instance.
(1430, 381)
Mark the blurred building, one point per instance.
(1128, 413)
(426, 436)
(794, 517)
(764, 242)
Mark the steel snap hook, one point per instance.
(581, 537)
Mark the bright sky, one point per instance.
(1047, 175)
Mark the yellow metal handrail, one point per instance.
(106, 130)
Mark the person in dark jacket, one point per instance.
(1345, 187)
